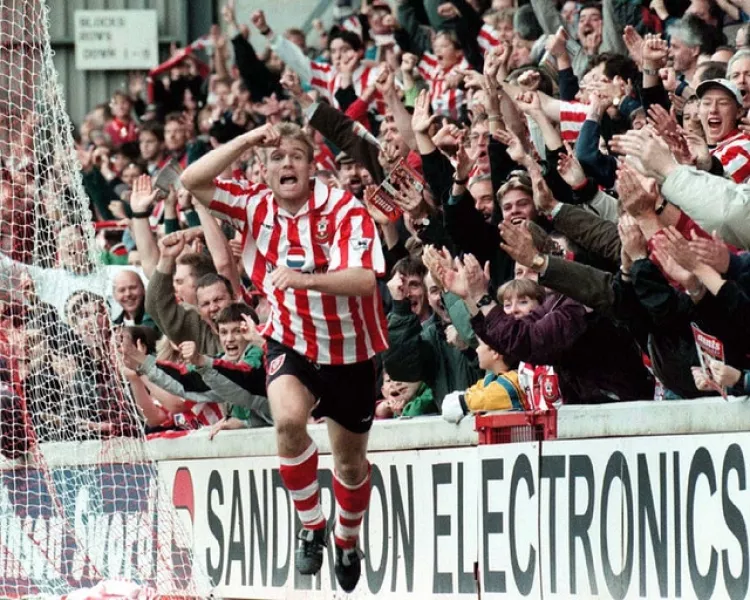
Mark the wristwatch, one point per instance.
(538, 263)
(485, 300)
(460, 181)
(420, 224)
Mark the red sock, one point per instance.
(351, 504)
(300, 476)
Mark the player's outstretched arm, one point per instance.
(199, 177)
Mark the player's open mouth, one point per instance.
(517, 220)
(288, 180)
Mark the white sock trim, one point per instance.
(312, 516)
(345, 514)
(298, 460)
(356, 486)
(345, 533)
(305, 492)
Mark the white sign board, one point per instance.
(636, 518)
(116, 39)
(419, 536)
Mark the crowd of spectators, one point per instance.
(584, 213)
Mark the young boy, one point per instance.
(498, 390)
(237, 374)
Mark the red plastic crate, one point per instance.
(510, 427)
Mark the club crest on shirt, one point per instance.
(295, 258)
(321, 230)
(276, 364)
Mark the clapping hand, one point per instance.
(477, 278)
(635, 198)
(631, 236)
(518, 243)
(672, 270)
(676, 246)
(437, 261)
(654, 51)
(634, 43)
(712, 252)
(653, 153)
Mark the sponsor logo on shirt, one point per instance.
(295, 258)
(360, 244)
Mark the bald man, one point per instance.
(129, 292)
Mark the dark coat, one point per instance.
(596, 360)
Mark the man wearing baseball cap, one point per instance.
(720, 110)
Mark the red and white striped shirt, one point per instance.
(327, 81)
(572, 116)
(734, 154)
(488, 38)
(332, 232)
(196, 415)
(354, 25)
(540, 382)
(325, 160)
(445, 101)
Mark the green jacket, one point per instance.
(421, 353)
(174, 320)
(423, 403)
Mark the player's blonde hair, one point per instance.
(295, 132)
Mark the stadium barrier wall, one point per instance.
(642, 500)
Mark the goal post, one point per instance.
(80, 503)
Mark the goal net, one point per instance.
(79, 498)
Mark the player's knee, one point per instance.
(291, 429)
(351, 469)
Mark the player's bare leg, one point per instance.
(351, 488)
(291, 403)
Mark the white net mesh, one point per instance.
(79, 499)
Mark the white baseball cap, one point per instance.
(724, 84)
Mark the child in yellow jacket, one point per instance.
(498, 390)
